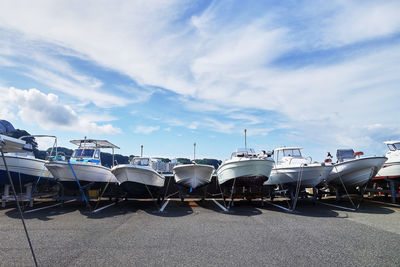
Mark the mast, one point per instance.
(141, 151)
(194, 151)
(245, 139)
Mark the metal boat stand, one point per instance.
(67, 199)
(293, 194)
(3, 144)
(163, 201)
(224, 208)
(21, 197)
(291, 203)
(355, 206)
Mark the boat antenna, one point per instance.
(194, 151)
(141, 151)
(245, 140)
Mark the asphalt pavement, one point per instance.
(194, 233)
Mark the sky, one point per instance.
(320, 75)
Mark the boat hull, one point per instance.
(311, 175)
(193, 175)
(23, 170)
(390, 170)
(356, 172)
(86, 173)
(247, 172)
(139, 181)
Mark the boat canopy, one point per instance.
(9, 144)
(94, 143)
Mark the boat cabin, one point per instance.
(141, 161)
(89, 150)
(393, 145)
(394, 150)
(289, 155)
(86, 155)
(243, 152)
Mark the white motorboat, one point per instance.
(193, 175)
(24, 167)
(391, 168)
(84, 165)
(292, 168)
(353, 172)
(245, 168)
(138, 178)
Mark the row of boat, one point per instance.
(283, 168)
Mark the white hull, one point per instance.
(390, 170)
(138, 174)
(246, 167)
(24, 165)
(193, 175)
(84, 172)
(356, 172)
(311, 175)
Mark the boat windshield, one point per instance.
(84, 153)
(391, 147)
(291, 153)
(141, 161)
(344, 154)
(397, 145)
(77, 153)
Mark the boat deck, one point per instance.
(195, 233)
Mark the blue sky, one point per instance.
(317, 74)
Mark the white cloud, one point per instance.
(38, 62)
(193, 125)
(249, 119)
(225, 67)
(361, 20)
(218, 126)
(145, 129)
(35, 107)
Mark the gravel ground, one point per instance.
(192, 233)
